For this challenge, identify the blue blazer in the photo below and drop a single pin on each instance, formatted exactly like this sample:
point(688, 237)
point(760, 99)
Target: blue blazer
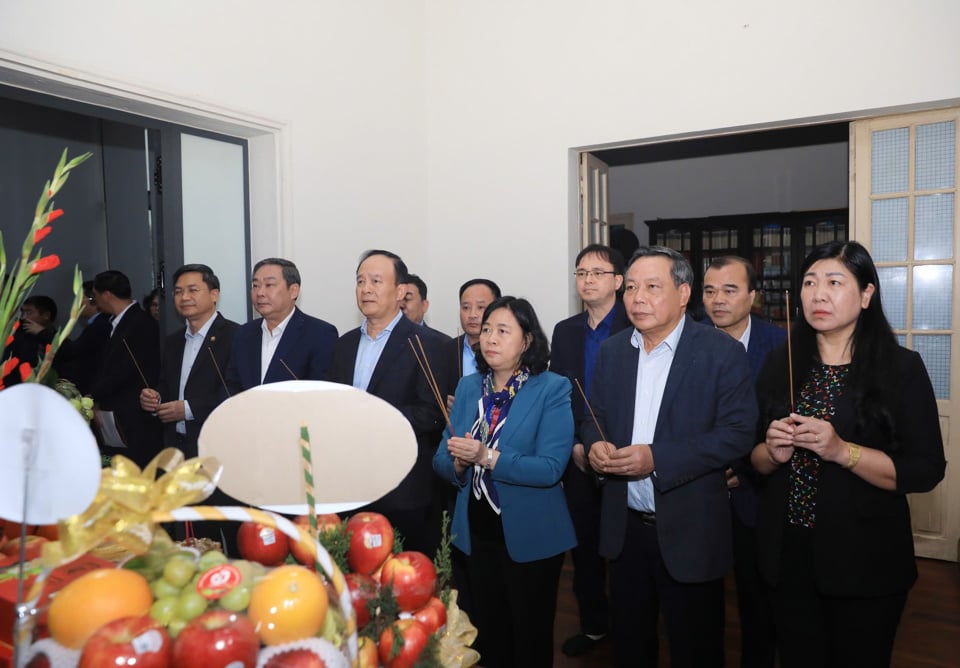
point(534, 450)
point(764, 337)
point(306, 347)
point(707, 419)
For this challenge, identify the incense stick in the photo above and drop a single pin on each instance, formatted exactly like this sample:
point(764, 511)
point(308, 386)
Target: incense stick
point(590, 408)
point(789, 351)
point(134, 360)
point(432, 382)
point(220, 375)
point(289, 370)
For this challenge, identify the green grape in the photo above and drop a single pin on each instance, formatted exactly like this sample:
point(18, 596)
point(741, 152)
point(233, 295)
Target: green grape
point(190, 604)
point(175, 627)
point(86, 402)
point(237, 599)
point(178, 571)
point(210, 559)
point(164, 609)
point(161, 588)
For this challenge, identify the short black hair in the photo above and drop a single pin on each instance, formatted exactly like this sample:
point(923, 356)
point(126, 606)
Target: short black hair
point(399, 268)
point(43, 304)
point(611, 255)
point(114, 282)
point(88, 289)
point(148, 298)
point(289, 271)
point(206, 274)
point(494, 288)
point(727, 260)
point(537, 355)
point(413, 279)
point(680, 269)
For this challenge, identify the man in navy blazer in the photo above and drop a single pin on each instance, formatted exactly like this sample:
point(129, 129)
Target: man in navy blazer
point(573, 352)
point(674, 403)
point(377, 357)
point(729, 289)
point(285, 343)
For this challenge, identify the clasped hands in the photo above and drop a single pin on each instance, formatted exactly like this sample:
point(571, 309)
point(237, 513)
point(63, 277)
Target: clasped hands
point(171, 411)
point(630, 460)
point(466, 452)
point(799, 431)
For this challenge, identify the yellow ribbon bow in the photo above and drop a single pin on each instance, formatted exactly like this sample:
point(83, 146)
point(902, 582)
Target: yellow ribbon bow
point(126, 499)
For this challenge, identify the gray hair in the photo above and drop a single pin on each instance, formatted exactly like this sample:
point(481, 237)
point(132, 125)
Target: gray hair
point(680, 268)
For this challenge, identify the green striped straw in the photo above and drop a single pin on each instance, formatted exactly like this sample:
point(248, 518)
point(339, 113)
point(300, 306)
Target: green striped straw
point(308, 484)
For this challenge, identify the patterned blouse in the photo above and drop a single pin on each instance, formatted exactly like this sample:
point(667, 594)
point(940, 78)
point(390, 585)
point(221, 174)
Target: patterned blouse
point(818, 399)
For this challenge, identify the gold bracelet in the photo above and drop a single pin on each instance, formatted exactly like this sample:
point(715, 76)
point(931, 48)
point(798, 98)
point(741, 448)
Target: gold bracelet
point(855, 452)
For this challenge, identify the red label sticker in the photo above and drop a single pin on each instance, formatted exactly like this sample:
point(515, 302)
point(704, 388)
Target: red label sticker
point(218, 581)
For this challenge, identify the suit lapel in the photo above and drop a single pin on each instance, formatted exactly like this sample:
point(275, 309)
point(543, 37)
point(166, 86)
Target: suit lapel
point(520, 408)
point(394, 347)
point(683, 360)
point(287, 345)
point(203, 355)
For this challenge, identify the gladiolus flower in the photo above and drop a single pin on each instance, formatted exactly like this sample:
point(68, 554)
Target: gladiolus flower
point(53, 215)
point(46, 351)
point(9, 340)
point(9, 366)
point(45, 264)
point(25, 371)
point(41, 233)
point(16, 325)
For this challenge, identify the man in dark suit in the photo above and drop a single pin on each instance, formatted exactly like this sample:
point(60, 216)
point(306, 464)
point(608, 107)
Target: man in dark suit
point(285, 343)
point(674, 404)
point(415, 306)
point(376, 357)
point(191, 377)
point(729, 290)
point(79, 357)
point(459, 358)
point(130, 362)
point(573, 353)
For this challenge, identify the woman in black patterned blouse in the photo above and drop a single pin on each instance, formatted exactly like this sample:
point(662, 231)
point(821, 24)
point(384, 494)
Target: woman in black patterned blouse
point(861, 431)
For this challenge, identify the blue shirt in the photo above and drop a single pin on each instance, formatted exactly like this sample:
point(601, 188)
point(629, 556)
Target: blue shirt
point(191, 348)
point(652, 372)
point(369, 351)
point(469, 359)
point(592, 338)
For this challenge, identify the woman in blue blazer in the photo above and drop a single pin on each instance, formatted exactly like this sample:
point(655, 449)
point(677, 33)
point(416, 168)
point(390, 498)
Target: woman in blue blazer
point(513, 427)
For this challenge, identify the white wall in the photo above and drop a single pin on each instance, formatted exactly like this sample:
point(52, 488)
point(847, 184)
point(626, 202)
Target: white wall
point(443, 130)
point(792, 179)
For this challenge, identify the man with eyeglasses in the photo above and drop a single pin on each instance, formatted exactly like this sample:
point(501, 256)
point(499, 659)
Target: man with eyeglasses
point(576, 340)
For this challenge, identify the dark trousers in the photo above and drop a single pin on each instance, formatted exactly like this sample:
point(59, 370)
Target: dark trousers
point(514, 605)
point(758, 645)
point(641, 587)
point(818, 630)
point(589, 568)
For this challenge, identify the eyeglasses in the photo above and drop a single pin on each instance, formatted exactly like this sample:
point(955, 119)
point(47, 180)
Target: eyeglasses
point(595, 274)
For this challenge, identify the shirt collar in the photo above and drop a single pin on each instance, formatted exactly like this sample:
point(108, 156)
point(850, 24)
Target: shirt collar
point(115, 320)
point(202, 332)
point(387, 329)
point(671, 342)
point(278, 330)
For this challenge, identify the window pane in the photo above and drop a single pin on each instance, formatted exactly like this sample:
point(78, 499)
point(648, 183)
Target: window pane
point(893, 291)
point(933, 231)
point(889, 230)
point(891, 160)
point(936, 148)
point(932, 296)
point(935, 351)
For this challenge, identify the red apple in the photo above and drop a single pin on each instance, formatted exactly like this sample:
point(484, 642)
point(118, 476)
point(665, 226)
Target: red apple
point(258, 542)
point(295, 658)
point(433, 615)
point(371, 541)
point(413, 636)
point(324, 522)
point(367, 652)
point(215, 639)
point(130, 641)
point(413, 578)
point(362, 589)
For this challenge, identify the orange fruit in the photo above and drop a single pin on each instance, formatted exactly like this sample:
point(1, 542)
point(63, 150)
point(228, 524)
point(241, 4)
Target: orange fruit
point(94, 599)
point(289, 603)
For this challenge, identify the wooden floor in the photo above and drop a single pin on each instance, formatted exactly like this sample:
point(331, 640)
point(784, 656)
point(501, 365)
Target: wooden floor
point(929, 635)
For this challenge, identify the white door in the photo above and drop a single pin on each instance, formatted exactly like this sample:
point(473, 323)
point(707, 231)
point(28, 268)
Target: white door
point(594, 223)
point(903, 204)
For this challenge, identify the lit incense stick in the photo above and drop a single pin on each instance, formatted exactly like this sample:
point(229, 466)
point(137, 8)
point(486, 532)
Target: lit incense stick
point(134, 360)
point(217, 367)
point(590, 408)
point(289, 370)
point(432, 382)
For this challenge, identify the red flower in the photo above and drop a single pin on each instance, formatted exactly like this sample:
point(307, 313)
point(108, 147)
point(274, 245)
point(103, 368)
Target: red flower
point(9, 366)
point(25, 371)
point(9, 340)
point(53, 215)
point(46, 351)
point(44, 264)
point(41, 233)
point(16, 325)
